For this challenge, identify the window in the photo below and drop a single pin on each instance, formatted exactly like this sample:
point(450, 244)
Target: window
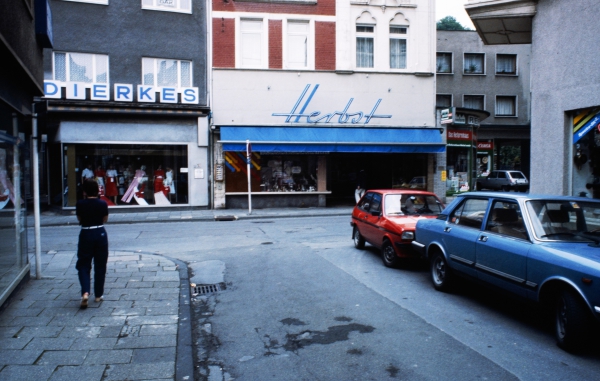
point(443, 100)
point(297, 44)
point(474, 102)
point(398, 47)
point(474, 63)
point(471, 213)
point(506, 105)
point(182, 6)
point(163, 72)
point(505, 218)
point(364, 46)
point(444, 63)
point(251, 41)
point(80, 67)
point(104, 2)
point(506, 64)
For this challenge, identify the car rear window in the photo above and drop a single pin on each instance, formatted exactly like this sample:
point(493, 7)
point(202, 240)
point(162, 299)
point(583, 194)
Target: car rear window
point(517, 175)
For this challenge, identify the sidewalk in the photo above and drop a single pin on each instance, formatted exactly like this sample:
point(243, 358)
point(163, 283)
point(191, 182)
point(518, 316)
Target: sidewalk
point(132, 335)
point(134, 216)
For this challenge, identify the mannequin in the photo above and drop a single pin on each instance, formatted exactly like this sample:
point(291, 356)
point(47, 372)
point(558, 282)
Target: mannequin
point(133, 191)
point(111, 183)
point(159, 187)
point(169, 183)
point(7, 191)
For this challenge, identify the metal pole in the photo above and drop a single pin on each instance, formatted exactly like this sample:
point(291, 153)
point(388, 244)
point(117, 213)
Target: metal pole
point(36, 196)
point(248, 156)
point(16, 174)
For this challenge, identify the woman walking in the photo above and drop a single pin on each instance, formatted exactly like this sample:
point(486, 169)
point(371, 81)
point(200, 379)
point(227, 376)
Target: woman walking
point(92, 214)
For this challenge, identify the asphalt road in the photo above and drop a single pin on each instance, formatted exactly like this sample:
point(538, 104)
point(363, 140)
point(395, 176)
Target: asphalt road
point(301, 303)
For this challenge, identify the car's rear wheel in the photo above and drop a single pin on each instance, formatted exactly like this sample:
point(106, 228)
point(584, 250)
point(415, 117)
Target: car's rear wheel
point(478, 186)
point(359, 241)
point(572, 321)
point(388, 254)
point(441, 275)
point(505, 188)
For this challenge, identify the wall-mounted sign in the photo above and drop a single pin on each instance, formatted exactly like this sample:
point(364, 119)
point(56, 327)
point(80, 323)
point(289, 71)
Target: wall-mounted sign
point(121, 92)
point(447, 115)
point(485, 146)
point(343, 117)
point(459, 135)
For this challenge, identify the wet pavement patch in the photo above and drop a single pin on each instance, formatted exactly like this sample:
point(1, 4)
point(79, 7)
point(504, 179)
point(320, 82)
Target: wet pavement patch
point(354, 352)
point(392, 370)
point(332, 335)
point(291, 321)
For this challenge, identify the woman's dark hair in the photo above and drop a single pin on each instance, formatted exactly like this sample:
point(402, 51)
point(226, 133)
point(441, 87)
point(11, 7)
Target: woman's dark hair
point(90, 187)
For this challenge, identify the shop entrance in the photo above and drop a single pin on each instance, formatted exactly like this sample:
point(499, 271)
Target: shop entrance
point(382, 171)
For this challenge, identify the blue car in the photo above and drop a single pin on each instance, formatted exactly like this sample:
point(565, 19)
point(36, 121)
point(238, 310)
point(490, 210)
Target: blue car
point(543, 248)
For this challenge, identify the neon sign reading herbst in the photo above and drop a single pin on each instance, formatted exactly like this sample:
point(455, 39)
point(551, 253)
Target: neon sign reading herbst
point(316, 117)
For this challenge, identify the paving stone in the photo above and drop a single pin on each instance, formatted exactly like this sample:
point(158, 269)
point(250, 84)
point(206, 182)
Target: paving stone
point(26, 372)
point(140, 371)
point(109, 356)
point(77, 332)
point(14, 312)
point(111, 320)
point(153, 355)
point(94, 343)
point(146, 342)
point(140, 285)
point(165, 310)
point(57, 358)
point(79, 320)
point(110, 331)
point(70, 373)
point(14, 343)
point(19, 356)
point(58, 311)
point(50, 344)
point(8, 332)
point(29, 321)
point(40, 332)
point(135, 297)
point(154, 319)
point(129, 311)
point(158, 329)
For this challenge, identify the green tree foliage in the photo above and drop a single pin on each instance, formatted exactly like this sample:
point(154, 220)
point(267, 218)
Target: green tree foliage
point(450, 23)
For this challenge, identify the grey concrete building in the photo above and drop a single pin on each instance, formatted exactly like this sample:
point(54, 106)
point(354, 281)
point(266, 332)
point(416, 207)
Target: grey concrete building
point(127, 103)
point(495, 80)
point(25, 29)
point(565, 85)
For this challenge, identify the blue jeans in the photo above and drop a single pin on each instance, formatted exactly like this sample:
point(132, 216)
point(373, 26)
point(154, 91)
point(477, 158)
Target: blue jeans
point(93, 246)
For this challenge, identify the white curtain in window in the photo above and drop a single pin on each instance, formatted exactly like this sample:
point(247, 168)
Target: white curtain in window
point(186, 74)
point(166, 73)
point(81, 67)
point(505, 106)
point(506, 64)
point(473, 63)
point(60, 67)
point(297, 49)
point(251, 43)
point(364, 52)
point(397, 53)
point(474, 102)
point(443, 63)
point(443, 101)
point(148, 71)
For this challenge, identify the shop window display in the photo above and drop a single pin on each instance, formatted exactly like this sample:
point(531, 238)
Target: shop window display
point(127, 175)
point(271, 173)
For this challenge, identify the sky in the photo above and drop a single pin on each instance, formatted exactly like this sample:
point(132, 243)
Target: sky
point(453, 8)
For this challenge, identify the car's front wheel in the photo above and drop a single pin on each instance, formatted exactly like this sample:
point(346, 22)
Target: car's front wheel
point(388, 254)
point(572, 321)
point(441, 275)
point(359, 241)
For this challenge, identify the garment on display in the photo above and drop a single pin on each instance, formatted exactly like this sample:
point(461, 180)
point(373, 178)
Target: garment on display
point(133, 191)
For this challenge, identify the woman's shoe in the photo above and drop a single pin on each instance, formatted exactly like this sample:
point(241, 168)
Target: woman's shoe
point(84, 301)
point(99, 299)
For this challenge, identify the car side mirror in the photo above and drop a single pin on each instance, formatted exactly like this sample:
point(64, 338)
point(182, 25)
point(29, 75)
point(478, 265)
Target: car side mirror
point(376, 214)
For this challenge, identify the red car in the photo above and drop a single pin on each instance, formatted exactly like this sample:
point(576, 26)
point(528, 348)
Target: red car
point(386, 219)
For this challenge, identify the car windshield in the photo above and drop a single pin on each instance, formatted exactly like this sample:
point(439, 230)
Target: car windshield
point(411, 204)
point(560, 220)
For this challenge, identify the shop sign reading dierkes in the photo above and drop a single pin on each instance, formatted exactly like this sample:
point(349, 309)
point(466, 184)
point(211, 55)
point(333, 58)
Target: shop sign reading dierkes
point(121, 92)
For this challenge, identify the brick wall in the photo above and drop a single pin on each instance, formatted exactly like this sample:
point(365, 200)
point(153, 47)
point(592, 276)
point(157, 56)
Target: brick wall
point(323, 7)
point(223, 42)
point(275, 45)
point(324, 45)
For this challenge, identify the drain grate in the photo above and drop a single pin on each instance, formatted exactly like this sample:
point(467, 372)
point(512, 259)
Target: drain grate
point(204, 289)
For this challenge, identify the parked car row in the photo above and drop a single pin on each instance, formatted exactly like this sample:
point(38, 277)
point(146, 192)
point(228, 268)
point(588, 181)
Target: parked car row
point(542, 248)
point(504, 181)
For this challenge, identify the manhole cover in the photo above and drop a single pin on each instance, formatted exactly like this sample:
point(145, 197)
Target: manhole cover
point(204, 289)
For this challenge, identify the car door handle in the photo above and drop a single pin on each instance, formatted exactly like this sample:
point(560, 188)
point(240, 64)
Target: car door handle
point(447, 229)
point(483, 238)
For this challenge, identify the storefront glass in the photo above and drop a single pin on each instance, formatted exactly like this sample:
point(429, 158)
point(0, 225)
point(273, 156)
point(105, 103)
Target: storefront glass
point(128, 174)
point(13, 232)
point(271, 173)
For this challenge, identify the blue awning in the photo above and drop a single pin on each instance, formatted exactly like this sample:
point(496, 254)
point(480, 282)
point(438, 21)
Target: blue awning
point(333, 139)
